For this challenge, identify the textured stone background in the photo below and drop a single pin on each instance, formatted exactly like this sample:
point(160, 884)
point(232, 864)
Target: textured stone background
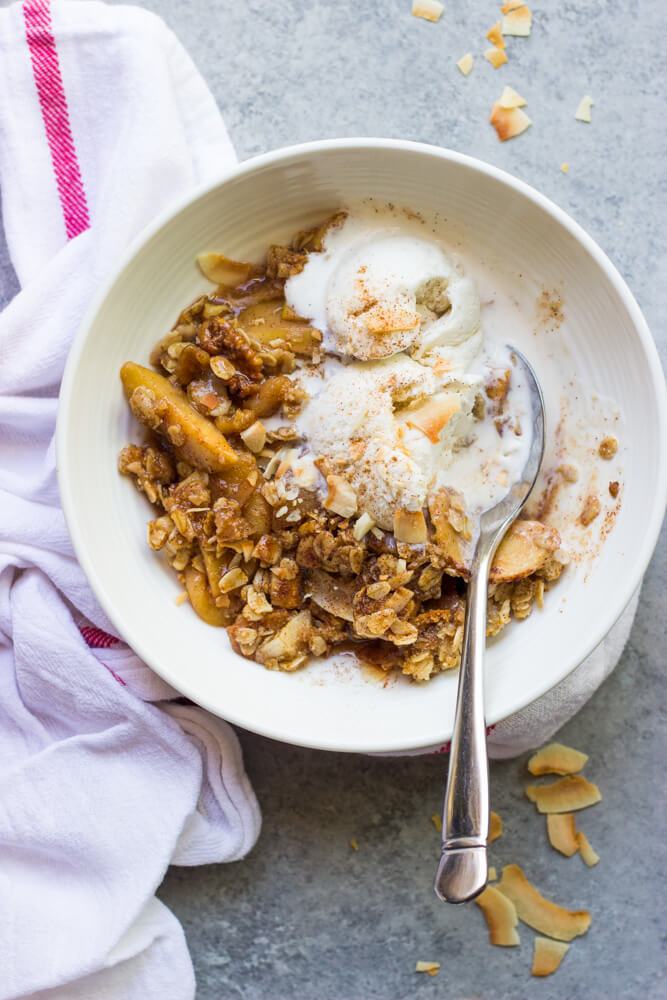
point(305, 917)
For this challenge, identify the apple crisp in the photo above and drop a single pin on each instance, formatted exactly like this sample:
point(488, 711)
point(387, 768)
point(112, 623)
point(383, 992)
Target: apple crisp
point(275, 548)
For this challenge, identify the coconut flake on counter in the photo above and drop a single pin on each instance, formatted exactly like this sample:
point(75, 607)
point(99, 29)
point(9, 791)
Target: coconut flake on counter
point(497, 57)
point(429, 10)
point(583, 112)
point(509, 122)
point(518, 21)
point(495, 36)
point(510, 99)
point(466, 63)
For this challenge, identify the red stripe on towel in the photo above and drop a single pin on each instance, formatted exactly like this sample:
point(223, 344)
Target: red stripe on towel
point(97, 638)
point(52, 100)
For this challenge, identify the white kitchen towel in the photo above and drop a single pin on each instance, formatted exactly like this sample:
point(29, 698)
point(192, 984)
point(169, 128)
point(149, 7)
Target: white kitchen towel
point(105, 780)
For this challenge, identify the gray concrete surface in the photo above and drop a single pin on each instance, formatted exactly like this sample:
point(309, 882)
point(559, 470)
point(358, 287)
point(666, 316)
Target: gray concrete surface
point(305, 916)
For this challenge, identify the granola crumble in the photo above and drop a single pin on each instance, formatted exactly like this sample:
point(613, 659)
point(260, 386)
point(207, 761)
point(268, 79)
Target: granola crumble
point(290, 575)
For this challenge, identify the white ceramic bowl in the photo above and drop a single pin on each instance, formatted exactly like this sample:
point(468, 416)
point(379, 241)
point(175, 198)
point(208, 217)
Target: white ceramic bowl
point(487, 213)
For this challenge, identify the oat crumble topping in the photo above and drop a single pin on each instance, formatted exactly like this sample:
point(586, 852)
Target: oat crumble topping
point(259, 552)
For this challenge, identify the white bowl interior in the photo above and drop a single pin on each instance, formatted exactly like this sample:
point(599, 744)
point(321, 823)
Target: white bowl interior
point(485, 215)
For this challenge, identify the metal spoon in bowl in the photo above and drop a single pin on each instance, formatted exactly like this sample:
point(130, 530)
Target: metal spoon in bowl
point(463, 871)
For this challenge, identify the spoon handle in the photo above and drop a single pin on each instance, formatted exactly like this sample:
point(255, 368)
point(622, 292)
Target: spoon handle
point(462, 872)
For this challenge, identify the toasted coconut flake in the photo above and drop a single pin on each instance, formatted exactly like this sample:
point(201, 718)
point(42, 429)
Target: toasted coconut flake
point(493, 874)
point(430, 10)
point(431, 967)
point(562, 833)
point(512, 5)
point(362, 526)
point(501, 916)
point(254, 438)
point(538, 912)
point(223, 271)
point(495, 36)
point(465, 63)
point(583, 112)
point(335, 596)
point(434, 415)
point(509, 123)
point(518, 22)
point(567, 795)
point(557, 759)
point(547, 956)
point(511, 99)
point(586, 851)
point(496, 56)
point(524, 549)
point(353, 844)
point(410, 527)
point(437, 822)
point(495, 827)
point(565, 167)
point(341, 498)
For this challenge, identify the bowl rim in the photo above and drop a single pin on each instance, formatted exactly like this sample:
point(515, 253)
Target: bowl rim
point(650, 529)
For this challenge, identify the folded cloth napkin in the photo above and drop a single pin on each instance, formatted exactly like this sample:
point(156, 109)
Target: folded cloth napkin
point(106, 780)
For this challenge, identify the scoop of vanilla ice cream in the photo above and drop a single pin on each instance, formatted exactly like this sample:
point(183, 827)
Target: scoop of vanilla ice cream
point(375, 291)
point(388, 426)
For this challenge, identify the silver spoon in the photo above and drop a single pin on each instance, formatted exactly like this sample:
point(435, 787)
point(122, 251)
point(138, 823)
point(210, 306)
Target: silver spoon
point(463, 871)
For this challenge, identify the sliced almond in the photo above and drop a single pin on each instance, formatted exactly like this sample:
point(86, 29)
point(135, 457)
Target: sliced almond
point(497, 57)
point(585, 849)
point(518, 22)
point(583, 112)
point(222, 270)
point(224, 369)
point(556, 758)
point(362, 526)
point(511, 99)
point(431, 967)
point(254, 438)
point(430, 10)
point(465, 63)
point(565, 167)
point(495, 36)
point(562, 833)
point(524, 549)
point(341, 498)
point(232, 580)
point(509, 122)
point(501, 917)
point(567, 795)
point(410, 527)
point(547, 956)
point(495, 827)
point(538, 912)
point(434, 415)
point(493, 874)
